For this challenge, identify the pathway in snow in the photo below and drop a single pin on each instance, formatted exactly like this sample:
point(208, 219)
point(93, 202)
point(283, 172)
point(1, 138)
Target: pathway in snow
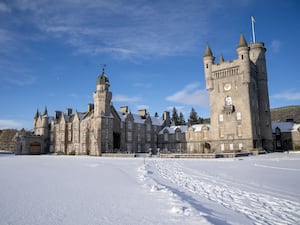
point(261, 208)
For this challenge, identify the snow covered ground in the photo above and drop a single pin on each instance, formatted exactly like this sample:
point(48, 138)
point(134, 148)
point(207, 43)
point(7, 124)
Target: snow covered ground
point(42, 190)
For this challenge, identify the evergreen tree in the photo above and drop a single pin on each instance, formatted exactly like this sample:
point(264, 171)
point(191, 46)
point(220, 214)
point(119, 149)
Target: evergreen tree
point(181, 119)
point(175, 117)
point(193, 119)
point(156, 114)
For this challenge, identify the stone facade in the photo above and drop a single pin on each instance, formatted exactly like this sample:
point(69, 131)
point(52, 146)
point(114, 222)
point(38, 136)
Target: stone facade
point(239, 107)
point(239, 100)
point(101, 129)
point(286, 136)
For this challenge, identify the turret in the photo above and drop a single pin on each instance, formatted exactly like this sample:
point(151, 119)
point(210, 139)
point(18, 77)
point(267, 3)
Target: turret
point(44, 130)
point(102, 96)
point(243, 56)
point(208, 60)
point(257, 56)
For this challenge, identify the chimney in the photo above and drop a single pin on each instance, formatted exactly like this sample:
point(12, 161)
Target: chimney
point(68, 111)
point(142, 113)
point(57, 114)
point(166, 115)
point(90, 107)
point(124, 110)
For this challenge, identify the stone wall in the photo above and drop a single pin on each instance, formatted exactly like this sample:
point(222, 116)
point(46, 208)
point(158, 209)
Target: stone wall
point(8, 140)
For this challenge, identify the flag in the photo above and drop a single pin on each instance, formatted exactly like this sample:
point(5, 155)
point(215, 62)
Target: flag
point(252, 19)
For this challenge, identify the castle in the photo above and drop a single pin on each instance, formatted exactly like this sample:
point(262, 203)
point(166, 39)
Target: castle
point(239, 109)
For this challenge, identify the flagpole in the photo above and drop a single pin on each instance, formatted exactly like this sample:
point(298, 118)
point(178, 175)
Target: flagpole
point(253, 32)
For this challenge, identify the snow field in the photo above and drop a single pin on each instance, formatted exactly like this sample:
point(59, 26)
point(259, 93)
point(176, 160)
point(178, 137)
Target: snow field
point(64, 190)
point(261, 208)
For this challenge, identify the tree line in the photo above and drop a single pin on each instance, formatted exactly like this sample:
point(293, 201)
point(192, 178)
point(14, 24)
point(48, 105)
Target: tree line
point(179, 119)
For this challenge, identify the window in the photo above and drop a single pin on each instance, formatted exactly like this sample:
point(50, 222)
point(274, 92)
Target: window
point(148, 137)
point(222, 147)
point(138, 137)
point(129, 125)
point(231, 146)
point(240, 146)
point(221, 117)
point(177, 136)
point(148, 127)
point(221, 132)
point(166, 136)
point(129, 136)
point(69, 135)
point(239, 116)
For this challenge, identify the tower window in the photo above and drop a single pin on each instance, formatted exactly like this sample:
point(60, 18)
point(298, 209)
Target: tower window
point(206, 66)
point(242, 57)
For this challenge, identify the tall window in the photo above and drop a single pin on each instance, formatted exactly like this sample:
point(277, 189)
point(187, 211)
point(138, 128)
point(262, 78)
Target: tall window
point(148, 137)
point(166, 137)
point(129, 136)
point(177, 135)
point(239, 116)
point(129, 124)
point(148, 127)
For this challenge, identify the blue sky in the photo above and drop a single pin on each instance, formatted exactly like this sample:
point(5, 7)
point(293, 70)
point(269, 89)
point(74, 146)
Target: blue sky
point(52, 51)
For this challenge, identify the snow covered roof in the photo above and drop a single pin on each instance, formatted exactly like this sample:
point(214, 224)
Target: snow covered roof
point(183, 128)
point(285, 126)
point(157, 121)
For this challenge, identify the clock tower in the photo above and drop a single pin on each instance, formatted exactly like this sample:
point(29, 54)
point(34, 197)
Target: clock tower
point(239, 100)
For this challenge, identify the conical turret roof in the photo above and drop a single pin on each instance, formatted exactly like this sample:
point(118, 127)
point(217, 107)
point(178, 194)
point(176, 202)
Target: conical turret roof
point(242, 42)
point(221, 59)
point(37, 114)
point(208, 51)
point(45, 112)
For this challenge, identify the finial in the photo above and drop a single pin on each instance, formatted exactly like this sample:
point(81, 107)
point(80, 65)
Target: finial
point(103, 66)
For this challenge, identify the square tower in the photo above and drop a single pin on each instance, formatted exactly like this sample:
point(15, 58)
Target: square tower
point(239, 100)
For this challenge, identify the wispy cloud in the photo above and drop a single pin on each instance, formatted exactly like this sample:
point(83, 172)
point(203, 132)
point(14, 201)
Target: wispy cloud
point(287, 95)
point(275, 45)
point(142, 107)
point(124, 98)
point(3, 7)
point(127, 30)
point(190, 95)
point(11, 124)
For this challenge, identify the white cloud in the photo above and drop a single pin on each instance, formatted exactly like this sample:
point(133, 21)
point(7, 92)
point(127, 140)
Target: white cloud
point(275, 45)
point(190, 95)
point(142, 107)
point(11, 124)
point(287, 95)
point(124, 98)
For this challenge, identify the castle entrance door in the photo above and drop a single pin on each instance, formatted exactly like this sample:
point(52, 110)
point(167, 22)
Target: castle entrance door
point(117, 139)
point(35, 148)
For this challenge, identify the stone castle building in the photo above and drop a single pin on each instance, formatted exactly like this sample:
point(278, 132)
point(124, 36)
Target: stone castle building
point(239, 108)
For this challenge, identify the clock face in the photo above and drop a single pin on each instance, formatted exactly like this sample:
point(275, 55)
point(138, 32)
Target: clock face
point(227, 87)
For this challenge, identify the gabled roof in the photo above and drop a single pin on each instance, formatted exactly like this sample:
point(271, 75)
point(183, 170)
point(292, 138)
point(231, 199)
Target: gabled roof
point(156, 121)
point(285, 126)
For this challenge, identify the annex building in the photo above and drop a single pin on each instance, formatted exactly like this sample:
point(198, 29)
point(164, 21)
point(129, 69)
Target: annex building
point(239, 109)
